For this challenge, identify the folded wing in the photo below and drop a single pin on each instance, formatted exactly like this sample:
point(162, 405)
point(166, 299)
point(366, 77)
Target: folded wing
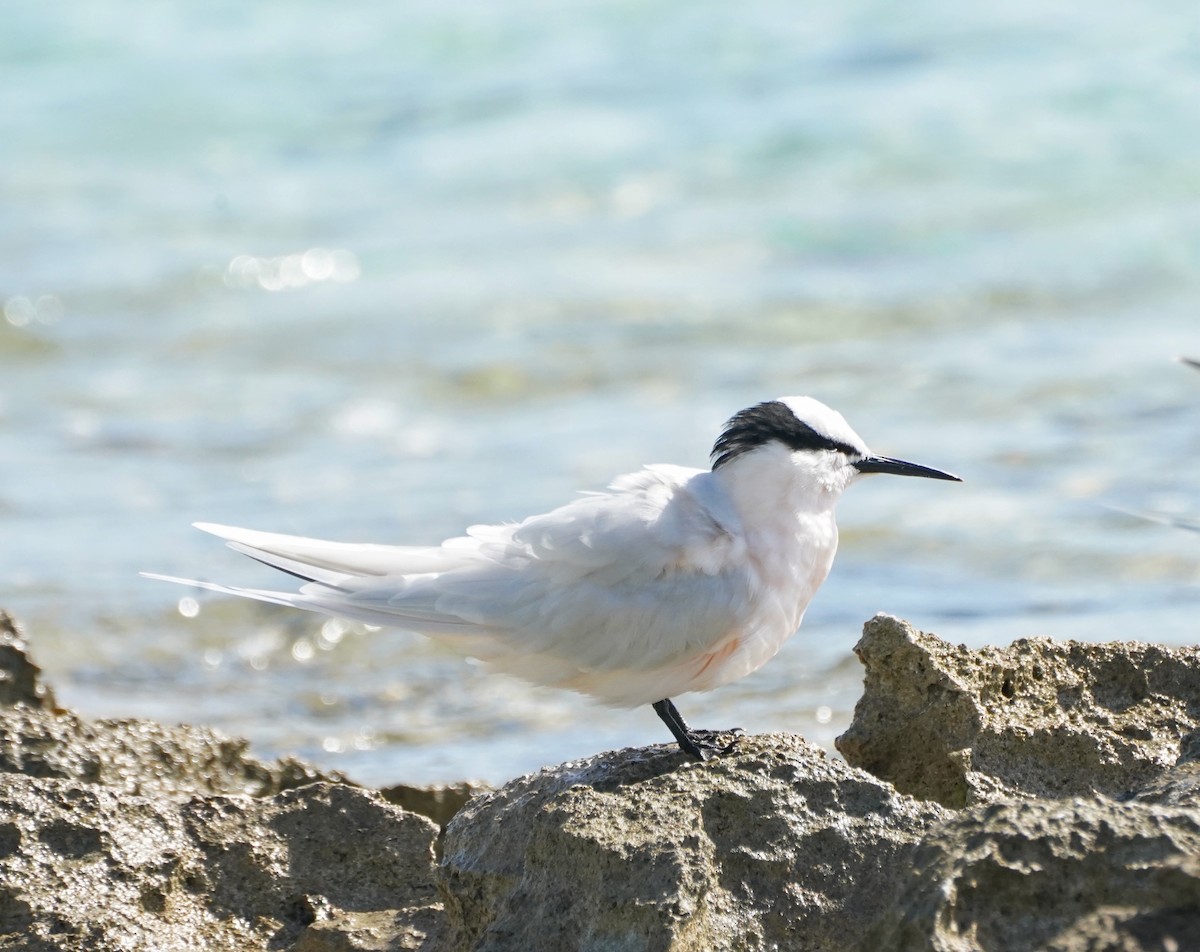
point(636, 578)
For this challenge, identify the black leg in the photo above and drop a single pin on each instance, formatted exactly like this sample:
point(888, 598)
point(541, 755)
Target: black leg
point(698, 744)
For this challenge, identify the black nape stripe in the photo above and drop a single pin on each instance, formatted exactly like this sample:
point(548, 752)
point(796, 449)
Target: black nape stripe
point(772, 420)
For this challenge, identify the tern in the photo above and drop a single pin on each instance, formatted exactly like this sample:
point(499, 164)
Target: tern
point(674, 580)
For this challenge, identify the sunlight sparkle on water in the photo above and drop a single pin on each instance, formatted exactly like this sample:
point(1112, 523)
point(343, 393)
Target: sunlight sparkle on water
point(303, 650)
point(332, 632)
point(21, 311)
point(289, 272)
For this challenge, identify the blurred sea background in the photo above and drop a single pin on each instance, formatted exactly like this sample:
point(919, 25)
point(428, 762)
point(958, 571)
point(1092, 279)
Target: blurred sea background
point(375, 272)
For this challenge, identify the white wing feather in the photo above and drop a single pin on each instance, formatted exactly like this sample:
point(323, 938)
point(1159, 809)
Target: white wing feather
point(640, 578)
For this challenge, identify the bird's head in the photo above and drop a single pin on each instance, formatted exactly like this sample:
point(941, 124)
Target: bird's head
point(806, 444)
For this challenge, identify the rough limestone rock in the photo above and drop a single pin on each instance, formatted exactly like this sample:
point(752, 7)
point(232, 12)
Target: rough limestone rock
point(1054, 876)
point(20, 679)
point(771, 846)
point(1073, 771)
point(1039, 718)
point(140, 757)
point(131, 835)
point(39, 739)
point(323, 867)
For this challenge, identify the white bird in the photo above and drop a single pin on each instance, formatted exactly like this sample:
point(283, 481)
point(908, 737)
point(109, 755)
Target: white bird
point(673, 580)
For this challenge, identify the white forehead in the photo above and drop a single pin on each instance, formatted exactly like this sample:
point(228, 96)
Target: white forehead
point(825, 420)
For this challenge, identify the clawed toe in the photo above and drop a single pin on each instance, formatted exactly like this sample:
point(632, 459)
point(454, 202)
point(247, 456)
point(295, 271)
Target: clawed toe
point(711, 736)
point(704, 745)
point(700, 744)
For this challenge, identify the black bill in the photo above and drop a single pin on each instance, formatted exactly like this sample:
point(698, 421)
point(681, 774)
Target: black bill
point(897, 467)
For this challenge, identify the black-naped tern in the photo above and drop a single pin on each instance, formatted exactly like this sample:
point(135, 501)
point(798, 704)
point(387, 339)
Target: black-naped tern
point(673, 580)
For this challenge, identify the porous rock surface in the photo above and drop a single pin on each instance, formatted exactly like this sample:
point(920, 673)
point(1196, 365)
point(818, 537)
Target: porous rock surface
point(39, 739)
point(1075, 875)
point(773, 845)
point(325, 866)
point(1076, 768)
point(1037, 718)
point(1046, 797)
point(132, 835)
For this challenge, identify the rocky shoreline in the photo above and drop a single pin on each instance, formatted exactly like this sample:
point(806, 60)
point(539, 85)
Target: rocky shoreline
point(1040, 796)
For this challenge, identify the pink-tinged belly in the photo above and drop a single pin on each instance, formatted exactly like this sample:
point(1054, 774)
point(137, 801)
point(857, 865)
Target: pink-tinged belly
point(716, 659)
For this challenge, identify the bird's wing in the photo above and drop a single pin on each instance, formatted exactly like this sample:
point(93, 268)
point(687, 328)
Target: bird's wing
point(633, 578)
point(646, 573)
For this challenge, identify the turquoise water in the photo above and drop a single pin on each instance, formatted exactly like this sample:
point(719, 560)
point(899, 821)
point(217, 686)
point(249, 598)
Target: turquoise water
point(376, 272)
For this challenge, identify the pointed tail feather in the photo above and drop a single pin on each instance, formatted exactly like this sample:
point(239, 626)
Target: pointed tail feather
point(313, 598)
point(330, 563)
point(258, 594)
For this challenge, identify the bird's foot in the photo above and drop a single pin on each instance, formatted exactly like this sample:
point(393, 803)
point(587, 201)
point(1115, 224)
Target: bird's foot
point(704, 745)
point(711, 736)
